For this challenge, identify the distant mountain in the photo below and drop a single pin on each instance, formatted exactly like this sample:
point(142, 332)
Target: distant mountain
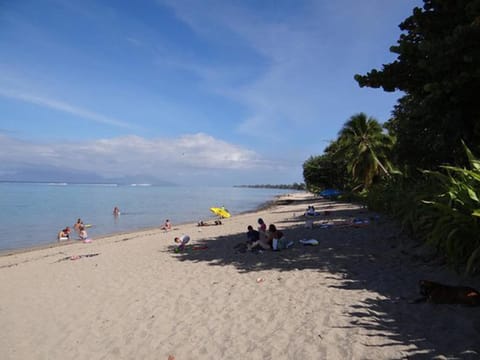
point(54, 174)
point(50, 174)
point(139, 179)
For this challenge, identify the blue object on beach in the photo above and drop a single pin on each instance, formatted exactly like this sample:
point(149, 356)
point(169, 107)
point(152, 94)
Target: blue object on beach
point(330, 193)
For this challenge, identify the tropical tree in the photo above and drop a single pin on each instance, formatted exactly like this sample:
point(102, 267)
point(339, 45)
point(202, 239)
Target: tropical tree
point(326, 171)
point(438, 69)
point(365, 147)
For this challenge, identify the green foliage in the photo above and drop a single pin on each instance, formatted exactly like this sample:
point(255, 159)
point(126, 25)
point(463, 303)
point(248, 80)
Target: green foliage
point(435, 123)
point(441, 208)
point(455, 227)
point(324, 171)
point(356, 160)
point(438, 69)
point(365, 148)
point(398, 196)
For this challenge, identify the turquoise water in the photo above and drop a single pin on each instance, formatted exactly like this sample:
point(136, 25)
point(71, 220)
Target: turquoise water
point(33, 213)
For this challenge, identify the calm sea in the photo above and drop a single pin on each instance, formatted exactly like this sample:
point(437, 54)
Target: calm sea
point(33, 213)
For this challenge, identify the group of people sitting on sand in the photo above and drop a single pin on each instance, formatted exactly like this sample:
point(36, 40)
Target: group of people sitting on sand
point(262, 239)
point(311, 211)
point(79, 228)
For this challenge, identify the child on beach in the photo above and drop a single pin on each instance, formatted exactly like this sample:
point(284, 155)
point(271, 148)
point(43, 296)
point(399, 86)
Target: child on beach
point(181, 241)
point(252, 235)
point(167, 225)
point(83, 233)
point(262, 227)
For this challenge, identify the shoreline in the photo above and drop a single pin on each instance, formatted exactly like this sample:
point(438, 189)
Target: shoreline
point(264, 206)
point(131, 296)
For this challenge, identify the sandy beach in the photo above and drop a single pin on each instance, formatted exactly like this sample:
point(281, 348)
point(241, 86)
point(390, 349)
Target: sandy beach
point(130, 296)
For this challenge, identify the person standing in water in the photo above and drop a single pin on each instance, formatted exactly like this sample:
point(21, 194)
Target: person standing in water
point(77, 225)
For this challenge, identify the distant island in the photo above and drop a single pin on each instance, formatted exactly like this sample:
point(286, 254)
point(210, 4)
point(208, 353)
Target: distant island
point(293, 186)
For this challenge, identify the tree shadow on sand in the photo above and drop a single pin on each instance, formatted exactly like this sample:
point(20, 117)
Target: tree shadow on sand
point(375, 257)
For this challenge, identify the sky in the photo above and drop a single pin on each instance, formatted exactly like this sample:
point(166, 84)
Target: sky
point(210, 92)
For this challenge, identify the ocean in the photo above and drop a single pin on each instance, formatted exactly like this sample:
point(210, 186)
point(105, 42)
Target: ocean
point(32, 214)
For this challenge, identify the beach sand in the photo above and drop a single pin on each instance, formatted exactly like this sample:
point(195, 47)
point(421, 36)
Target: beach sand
point(350, 297)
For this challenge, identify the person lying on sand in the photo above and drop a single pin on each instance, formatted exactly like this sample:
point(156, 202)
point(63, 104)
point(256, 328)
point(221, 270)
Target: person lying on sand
point(204, 223)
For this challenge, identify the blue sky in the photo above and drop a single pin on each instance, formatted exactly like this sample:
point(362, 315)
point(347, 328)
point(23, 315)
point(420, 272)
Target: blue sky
point(207, 92)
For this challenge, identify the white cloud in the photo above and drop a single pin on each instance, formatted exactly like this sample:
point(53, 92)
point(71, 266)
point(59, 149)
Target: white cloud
point(132, 155)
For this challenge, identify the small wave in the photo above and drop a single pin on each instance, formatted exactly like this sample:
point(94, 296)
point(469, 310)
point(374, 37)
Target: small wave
point(101, 184)
point(140, 184)
point(57, 184)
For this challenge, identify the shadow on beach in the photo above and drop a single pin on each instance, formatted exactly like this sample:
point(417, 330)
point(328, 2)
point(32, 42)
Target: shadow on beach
point(376, 258)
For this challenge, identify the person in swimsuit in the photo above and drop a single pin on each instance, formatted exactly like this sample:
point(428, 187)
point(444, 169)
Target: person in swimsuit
point(167, 225)
point(83, 233)
point(64, 234)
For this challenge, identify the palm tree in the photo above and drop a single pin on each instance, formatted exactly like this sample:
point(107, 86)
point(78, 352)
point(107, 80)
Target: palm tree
point(365, 147)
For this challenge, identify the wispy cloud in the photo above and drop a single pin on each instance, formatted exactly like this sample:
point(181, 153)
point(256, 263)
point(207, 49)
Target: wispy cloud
point(309, 63)
point(64, 107)
point(288, 89)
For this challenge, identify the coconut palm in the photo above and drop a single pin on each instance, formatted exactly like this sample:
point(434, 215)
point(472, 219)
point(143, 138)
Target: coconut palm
point(365, 147)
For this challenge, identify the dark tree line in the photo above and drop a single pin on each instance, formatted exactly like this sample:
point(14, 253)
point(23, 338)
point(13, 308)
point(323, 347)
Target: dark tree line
point(438, 69)
point(422, 166)
point(294, 186)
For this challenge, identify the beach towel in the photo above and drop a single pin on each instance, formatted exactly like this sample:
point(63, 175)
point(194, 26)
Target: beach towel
point(312, 242)
point(76, 257)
